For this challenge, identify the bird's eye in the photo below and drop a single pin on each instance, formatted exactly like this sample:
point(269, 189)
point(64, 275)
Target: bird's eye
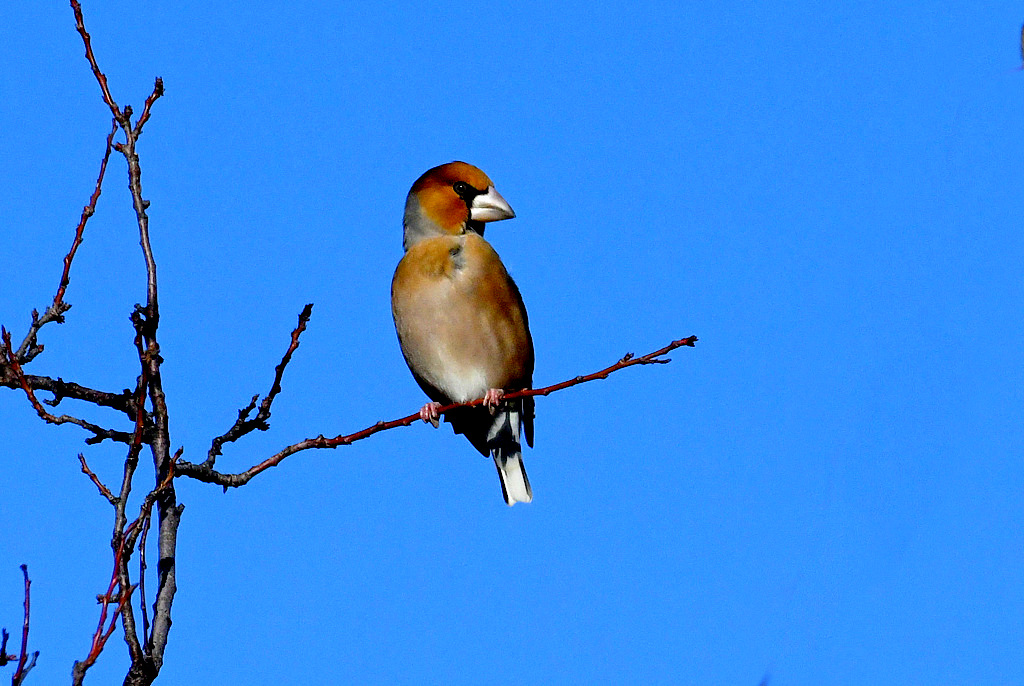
point(462, 188)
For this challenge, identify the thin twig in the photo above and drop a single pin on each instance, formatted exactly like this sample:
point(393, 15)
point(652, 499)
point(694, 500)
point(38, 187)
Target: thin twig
point(24, 667)
point(29, 347)
point(158, 90)
point(100, 77)
point(243, 425)
point(201, 473)
point(100, 636)
point(87, 212)
point(150, 428)
point(104, 491)
point(142, 576)
point(121, 534)
point(125, 545)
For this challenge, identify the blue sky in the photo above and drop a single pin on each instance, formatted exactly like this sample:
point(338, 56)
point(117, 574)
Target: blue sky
point(826, 489)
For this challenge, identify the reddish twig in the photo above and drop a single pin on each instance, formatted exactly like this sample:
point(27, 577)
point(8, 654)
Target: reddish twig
point(202, 473)
point(125, 545)
point(243, 425)
point(100, 77)
point(104, 491)
point(24, 666)
point(158, 90)
point(87, 212)
point(100, 636)
point(29, 347)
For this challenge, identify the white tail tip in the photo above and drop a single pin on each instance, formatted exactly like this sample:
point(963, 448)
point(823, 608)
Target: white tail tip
point(515, 486)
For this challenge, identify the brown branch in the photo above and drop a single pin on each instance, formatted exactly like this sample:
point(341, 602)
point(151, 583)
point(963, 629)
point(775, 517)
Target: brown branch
point(122, 402)
point(144, 667)
point(24, 666)
point(149, 427)
point(100, 434)
point(243, 425)
point(201, 473)
point(123, 549)
point(104, 491)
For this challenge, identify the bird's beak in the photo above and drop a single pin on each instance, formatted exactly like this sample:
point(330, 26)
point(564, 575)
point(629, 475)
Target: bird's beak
point(490, 207)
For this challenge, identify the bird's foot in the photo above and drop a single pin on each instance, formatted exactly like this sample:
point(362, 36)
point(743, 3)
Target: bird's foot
point(492, 399)
point(429, 413)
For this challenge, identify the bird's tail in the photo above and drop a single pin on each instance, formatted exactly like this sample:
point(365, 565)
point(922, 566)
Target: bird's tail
point(515, 485)
point(503, 440)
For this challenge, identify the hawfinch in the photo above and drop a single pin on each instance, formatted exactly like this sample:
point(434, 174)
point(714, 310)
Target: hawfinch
point(460, 319)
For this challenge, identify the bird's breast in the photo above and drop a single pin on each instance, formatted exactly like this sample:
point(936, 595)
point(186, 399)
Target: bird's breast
point(460, 321)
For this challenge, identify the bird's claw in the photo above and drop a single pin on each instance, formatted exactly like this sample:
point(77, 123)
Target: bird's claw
point(429, 413)
point(492, 399)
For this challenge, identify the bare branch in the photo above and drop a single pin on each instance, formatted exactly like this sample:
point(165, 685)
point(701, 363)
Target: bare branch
point(158, 90)
point(87, 212)
point(30, 347)
point(99, 433)
point(100, 636)
point(122, 541)
point(24, 665)
point(104, 491)
point(150, 428)
point(243, 425)
point(201, 473)
point(142, 575)
point(100, 77)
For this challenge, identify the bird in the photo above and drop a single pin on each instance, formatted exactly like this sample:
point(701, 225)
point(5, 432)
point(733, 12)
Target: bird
point(461, 321)
point(1021, 68)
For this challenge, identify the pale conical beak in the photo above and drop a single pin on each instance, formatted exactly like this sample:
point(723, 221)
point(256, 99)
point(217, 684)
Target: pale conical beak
point(490, 207)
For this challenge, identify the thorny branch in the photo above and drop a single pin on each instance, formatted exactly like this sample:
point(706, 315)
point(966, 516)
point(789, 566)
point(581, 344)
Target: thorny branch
point(202, 472)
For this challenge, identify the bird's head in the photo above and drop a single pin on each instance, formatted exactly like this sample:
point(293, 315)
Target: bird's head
point(450, 200)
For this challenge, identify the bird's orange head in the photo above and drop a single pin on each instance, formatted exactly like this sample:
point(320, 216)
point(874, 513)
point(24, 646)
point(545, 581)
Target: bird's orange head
point(449, 200)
